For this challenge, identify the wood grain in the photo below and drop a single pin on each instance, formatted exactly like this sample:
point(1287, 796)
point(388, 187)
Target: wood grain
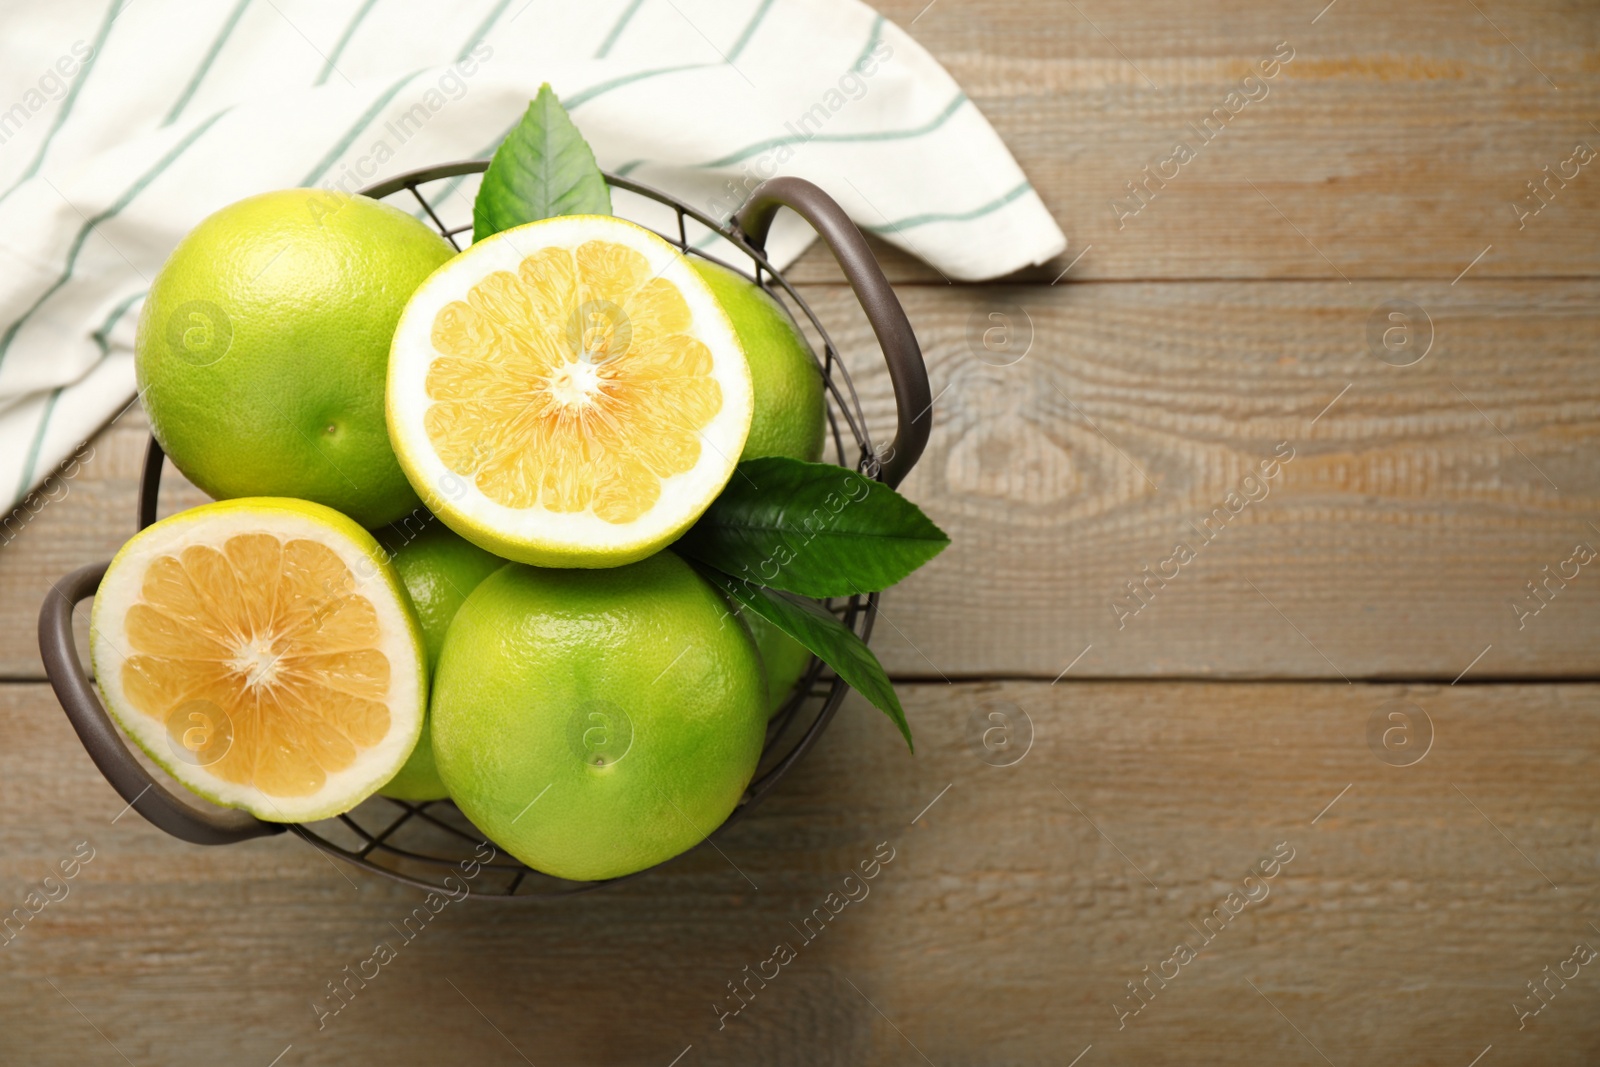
point(1394, 544)
point(1393, 145)
point(1419, 503)
point(1003, 931)
point(1421, 900)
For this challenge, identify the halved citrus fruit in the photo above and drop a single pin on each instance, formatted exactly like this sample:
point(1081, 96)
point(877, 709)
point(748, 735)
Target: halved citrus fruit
point(568, 393)
point(262, 653)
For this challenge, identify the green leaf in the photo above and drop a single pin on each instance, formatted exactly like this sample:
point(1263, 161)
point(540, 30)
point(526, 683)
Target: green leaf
point(813, 529)
point(543, 168)
point(825, 636)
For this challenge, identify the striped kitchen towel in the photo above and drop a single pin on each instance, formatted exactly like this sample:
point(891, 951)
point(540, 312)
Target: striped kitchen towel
point(125, 122)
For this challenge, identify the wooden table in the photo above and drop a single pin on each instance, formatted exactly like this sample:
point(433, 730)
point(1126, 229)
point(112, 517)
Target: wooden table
point(1348, 671)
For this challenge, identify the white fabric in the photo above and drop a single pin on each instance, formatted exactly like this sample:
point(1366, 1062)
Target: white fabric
point(125, 122)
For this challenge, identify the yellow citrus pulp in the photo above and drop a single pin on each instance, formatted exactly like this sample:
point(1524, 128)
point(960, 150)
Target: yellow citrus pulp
point(261, 652)
point(568, 393)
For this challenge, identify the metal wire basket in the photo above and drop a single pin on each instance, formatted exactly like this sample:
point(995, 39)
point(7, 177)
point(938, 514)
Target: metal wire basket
point(431, 845)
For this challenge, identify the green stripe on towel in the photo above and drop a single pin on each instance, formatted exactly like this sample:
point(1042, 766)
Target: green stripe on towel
point(963, 216)
point(344, 39)
point(205, 62)
point(616, 31)
point(72, 95)
point(354, 131)
point(89, 224)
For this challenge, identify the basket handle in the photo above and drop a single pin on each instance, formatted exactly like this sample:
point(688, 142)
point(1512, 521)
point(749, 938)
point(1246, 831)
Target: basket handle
point(912, 399)
point(216, 826)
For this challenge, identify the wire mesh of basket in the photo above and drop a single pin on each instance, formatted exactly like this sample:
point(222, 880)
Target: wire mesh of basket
point(431, 845)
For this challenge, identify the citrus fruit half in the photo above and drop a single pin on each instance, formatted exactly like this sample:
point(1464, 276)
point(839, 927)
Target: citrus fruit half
point(568, 393)
point(262, 348)
point(788, 418)
point(439, 569)
point(262, 652)
point(597, 722)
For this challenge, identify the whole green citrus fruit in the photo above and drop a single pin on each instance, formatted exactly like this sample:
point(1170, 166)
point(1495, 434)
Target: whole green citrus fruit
point(789, 418)
point(439, 570)
point(263, 348)
point(785, 659)
point(597, 722)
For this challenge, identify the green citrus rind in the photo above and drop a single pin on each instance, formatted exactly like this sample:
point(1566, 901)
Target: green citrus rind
point(790, 416)
point(262, 348)
point(595, 723)
point(439, 570)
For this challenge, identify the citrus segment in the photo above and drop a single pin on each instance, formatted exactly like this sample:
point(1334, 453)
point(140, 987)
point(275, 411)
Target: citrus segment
point(260, 651)
point(568, 393)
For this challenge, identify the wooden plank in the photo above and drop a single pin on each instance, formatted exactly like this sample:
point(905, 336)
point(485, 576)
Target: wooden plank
point(1394, 544)
point(82, 514)
point(1394, 144)
point(1419, 503)
point(1416, 906)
